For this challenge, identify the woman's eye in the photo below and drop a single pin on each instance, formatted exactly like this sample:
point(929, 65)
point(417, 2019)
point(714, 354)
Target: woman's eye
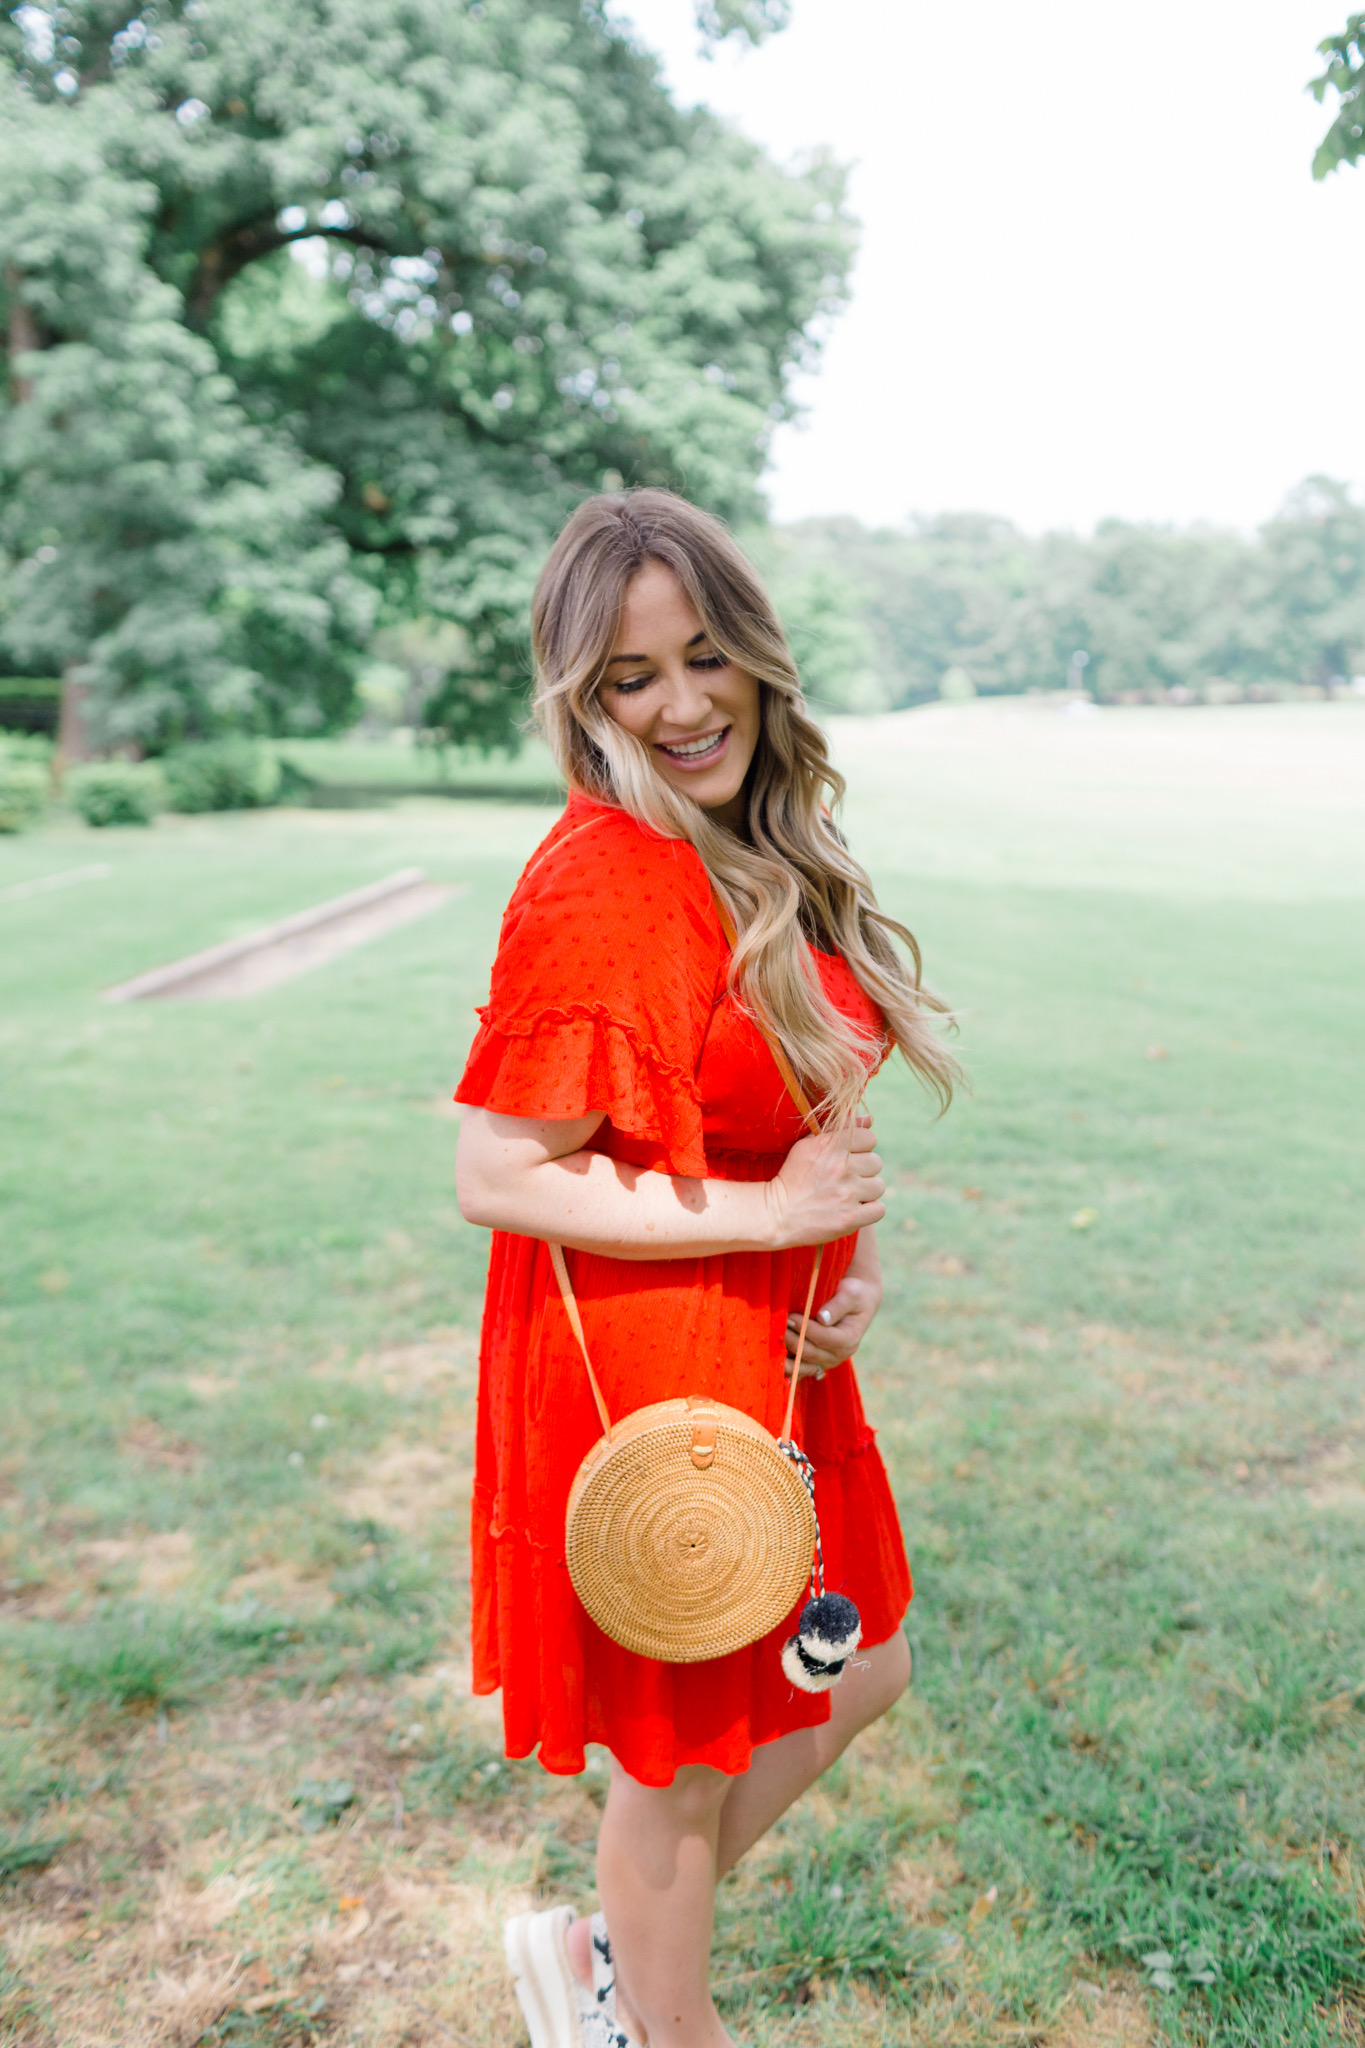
point(709, 661)
point(632, 684)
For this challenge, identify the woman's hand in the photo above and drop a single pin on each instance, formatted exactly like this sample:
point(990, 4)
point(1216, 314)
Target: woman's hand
point(829, 1187)
point(837, 1329)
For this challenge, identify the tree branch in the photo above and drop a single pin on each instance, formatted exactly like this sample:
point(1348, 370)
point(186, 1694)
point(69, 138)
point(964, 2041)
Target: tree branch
point(225, 258)
point(361, 546)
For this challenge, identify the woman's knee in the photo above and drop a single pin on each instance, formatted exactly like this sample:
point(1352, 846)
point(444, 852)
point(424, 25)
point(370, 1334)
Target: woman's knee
point(692, 1801)
point(883, 1673)
point(893, 1673)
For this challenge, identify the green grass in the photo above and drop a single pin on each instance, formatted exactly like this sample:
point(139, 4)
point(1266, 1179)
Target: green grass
point(1118, 1383)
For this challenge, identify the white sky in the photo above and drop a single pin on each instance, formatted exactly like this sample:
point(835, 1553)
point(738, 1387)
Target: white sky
point(1096, 274)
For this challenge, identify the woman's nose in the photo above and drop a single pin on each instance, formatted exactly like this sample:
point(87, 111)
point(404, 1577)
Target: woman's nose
point(687, 701)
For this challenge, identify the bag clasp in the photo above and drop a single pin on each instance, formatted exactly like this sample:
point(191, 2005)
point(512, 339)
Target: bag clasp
point(704, 1441)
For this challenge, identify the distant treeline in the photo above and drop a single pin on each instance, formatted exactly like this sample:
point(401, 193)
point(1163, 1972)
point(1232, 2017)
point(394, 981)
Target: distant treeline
point(967, 603)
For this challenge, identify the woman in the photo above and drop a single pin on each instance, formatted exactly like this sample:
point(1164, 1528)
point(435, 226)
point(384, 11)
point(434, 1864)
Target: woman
point(623, 1103)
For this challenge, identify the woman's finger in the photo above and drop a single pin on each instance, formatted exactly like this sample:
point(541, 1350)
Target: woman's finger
point(840, 1303)
point(831, 1350)
point(815, 1364)
point(828, 1345)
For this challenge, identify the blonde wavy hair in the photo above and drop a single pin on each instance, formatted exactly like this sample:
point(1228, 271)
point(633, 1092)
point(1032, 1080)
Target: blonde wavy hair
point(787, 878)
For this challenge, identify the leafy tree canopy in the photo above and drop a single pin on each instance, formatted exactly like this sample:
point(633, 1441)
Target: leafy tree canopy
point(755, 20)
point(323, 316)
point(1344, 142)
point(1155, 609)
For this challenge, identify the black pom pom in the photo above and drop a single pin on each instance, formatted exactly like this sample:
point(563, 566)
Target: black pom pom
point(830, 1628)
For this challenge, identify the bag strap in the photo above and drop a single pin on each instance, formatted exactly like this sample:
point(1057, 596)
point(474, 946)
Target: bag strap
point(799, 1097)
point(576, 1324)
point(570, 1301)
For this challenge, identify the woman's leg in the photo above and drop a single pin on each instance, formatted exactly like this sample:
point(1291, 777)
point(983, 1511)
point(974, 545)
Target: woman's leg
point(781, 1771)
point(656, 1876)
point(660, 1853)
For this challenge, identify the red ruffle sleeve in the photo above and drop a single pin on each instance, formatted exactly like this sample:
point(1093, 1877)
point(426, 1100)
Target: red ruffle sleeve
point(602, 991)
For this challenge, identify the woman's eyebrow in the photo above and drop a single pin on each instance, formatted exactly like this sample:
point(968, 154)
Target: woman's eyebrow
point(612, 658)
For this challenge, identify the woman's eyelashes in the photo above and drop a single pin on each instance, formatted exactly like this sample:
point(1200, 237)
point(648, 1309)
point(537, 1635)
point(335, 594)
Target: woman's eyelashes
point(701, 661)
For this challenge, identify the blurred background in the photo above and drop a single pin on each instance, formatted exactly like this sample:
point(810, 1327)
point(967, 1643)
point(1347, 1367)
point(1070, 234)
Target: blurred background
point(1021, 351)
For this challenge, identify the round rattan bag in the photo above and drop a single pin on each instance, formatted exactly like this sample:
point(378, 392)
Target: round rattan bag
point(689, 1532)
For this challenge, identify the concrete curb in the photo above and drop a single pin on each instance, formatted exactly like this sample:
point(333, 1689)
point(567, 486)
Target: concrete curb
point(159, 980)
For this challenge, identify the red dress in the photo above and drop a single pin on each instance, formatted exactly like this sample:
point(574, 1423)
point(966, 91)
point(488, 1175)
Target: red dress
point(608, 994)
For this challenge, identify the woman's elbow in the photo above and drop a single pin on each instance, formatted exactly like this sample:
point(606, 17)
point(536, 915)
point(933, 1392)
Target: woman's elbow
point(476, 1198)
point(475, 1186)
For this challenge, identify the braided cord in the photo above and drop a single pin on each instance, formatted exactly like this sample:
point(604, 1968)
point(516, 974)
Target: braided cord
point(807, 1472)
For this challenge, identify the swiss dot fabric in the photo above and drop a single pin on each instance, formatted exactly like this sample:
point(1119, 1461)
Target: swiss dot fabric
point(608, 995)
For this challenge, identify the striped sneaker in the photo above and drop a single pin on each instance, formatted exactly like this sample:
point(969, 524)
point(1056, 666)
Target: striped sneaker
point(558, 2010)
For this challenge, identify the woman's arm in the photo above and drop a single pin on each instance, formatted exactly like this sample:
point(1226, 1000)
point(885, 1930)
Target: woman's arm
point(839, 1326)
point(533, 1177)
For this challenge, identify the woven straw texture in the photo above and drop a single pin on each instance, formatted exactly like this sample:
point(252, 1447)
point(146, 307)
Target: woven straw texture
point(682, 1564)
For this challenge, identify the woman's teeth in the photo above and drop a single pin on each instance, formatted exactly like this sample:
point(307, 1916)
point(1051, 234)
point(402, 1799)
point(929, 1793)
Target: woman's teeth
point(692, 750)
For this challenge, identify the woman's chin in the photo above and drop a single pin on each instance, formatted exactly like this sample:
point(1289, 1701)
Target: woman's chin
point(712, 791)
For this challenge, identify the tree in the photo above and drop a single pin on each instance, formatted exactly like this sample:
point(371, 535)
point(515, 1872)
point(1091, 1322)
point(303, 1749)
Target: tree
point(1344, 142)
point(755, 20)
point(1155, 609)
point(1313, 573)
point(324, 316)
point(943, 593)
point(824, 615)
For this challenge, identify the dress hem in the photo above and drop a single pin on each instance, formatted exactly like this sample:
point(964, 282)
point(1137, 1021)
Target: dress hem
point(571, 1770)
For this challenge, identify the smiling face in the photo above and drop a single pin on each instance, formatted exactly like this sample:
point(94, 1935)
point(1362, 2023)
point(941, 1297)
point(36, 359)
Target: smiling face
point(667, 685)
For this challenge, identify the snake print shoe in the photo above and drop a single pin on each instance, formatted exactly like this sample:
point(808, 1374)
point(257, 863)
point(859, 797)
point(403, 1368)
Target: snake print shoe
point(604, 1985)
point(558, 2010)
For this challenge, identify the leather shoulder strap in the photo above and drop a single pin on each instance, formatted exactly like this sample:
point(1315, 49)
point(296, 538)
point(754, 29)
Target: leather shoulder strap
point(576, 1324)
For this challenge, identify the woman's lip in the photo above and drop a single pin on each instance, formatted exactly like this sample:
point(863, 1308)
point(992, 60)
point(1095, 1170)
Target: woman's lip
point(706, 760)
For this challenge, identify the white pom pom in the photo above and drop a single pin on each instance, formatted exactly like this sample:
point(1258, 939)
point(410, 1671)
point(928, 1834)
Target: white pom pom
point(804, 1674)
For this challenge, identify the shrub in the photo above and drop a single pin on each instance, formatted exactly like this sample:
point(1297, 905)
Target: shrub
point(30, 703)
point(221, 775)
point(25, 746)
point(116, 792)
point(23, 793)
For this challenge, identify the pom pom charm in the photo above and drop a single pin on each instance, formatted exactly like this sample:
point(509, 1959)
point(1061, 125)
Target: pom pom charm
point(829, 1631)
point(830, 1628)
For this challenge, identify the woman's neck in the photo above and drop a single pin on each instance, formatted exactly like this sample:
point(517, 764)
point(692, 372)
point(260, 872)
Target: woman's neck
point(733, 815)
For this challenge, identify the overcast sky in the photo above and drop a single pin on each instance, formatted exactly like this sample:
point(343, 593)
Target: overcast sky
point(1096, 274)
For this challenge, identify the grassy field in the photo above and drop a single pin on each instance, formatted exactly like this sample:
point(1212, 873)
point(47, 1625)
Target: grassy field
point(246, 1797)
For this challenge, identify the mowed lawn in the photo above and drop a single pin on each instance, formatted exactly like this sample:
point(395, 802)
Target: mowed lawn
point(246, 1796)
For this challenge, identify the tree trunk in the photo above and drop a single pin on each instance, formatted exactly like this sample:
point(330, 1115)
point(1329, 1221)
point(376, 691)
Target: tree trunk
point(73, 739)
point(23, 337)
